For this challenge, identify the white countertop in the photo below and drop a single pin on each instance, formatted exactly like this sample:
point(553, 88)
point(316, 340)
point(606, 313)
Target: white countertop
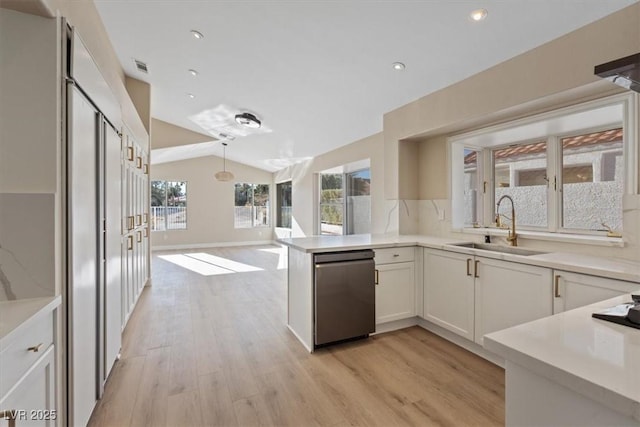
point(614, 268)
point(18, 314)
point(595, 358)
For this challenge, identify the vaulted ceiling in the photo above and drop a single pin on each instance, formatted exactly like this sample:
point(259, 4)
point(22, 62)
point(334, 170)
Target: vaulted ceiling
point(318, 74)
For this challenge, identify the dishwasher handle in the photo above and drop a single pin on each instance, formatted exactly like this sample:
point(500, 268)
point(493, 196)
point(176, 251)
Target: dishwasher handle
point(343, 256)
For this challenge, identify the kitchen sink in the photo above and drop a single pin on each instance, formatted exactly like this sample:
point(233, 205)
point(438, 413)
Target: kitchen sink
point(499, 248)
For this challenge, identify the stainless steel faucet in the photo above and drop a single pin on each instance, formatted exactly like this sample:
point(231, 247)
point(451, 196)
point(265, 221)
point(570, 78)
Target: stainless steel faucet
point(512, 238)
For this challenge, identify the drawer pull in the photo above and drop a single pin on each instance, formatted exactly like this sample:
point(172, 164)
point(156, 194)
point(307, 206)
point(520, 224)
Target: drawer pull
point(468, 267)
point(475, 270)
point(376, 280)
point(35, 348)
point(556, 287)
point(396, 255)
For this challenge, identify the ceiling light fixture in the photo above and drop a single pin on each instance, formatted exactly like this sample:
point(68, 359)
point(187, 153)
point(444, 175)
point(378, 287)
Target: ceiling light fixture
point(478, 14)
point(197, 34)
point(248, 120)
point(398, 66)
point(193, 72)
point(190, 95)
point(224, 175)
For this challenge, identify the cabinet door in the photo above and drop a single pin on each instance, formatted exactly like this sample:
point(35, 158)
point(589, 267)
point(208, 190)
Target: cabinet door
point(33, 397)
point(448, 291)
point(508, 294)
point(573, 290)
point(395, 292)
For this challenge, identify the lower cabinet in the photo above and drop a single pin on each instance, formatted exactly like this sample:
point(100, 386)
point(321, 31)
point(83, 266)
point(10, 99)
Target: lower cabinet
point(32, 400)
point(395, 284)
point(449, 291)
point(508, 294)
point(395, 292)
point(573, 290)
point(473, 296)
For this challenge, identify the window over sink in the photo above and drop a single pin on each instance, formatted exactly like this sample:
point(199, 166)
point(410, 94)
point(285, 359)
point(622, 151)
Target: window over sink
point(566, 170)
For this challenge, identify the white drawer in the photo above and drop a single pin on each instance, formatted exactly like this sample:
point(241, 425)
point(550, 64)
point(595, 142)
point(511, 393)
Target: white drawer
point(392, 255)
point(16, 358)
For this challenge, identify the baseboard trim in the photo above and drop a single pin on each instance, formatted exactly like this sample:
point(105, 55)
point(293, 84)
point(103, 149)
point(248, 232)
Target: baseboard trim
point(213, 245)
point(395, 325)
point(461, 342)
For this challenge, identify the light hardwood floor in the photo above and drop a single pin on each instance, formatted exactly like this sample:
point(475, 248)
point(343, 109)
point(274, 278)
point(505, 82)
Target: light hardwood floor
point(215, 350)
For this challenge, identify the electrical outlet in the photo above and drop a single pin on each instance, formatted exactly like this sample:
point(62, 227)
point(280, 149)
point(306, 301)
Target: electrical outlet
point(441, 214)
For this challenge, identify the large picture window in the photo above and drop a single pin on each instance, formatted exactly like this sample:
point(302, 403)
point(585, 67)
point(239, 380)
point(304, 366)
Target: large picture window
point(168, 205)
point(566, 171)
point(251, 205)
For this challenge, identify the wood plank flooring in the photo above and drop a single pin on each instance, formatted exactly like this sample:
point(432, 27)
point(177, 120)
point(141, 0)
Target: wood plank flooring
point(215, 351)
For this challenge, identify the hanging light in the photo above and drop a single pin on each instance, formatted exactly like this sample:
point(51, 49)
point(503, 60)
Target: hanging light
point(224, 174)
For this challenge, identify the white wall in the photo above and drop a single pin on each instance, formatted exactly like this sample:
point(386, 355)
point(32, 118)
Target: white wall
point(303, 176)
point(210, 204)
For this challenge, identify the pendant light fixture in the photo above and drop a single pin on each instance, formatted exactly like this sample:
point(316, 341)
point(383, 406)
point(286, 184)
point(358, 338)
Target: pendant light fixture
point(224, 174)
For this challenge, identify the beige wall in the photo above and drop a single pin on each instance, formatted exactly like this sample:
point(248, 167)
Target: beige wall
point(210, 203)
point(140, 93)
point(168, 135)
point(303, 177)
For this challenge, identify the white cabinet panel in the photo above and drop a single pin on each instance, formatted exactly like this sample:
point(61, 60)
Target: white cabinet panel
point(573, 290)
point(33, 396)
point(449, 291)
point(395, 291)
point(509, 294)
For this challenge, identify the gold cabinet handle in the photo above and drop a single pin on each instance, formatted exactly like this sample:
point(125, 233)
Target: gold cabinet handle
point(556, 286)
point(131, 222)
point(130, 154)
point(139, 236)
point(130, 243)
point(145, 218)
point(35, 348)
point(376, 280)
point(475, 269)
point(396, 255)
point(468, 266)
point(145, 169)
point(10, 416)
point(138, 219)
point(139, 162)
point(146, 231)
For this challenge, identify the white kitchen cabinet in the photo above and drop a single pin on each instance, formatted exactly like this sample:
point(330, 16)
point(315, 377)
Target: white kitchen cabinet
point(573, 290)
point(32, 399)
point(395, 284)
point(449, 291)
point(509, 294)
point(395, 291)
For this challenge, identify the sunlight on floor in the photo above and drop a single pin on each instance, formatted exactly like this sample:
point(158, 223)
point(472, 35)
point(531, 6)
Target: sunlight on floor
point(207, 264)
point(282, 259)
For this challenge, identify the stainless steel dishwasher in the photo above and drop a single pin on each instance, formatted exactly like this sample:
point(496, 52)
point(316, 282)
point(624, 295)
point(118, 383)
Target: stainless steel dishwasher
point(345, 297)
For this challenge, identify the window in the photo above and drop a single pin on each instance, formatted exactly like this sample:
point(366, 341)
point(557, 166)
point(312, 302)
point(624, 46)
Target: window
point(283, 200)
point(566, 171)
point(345, 202)
point(168, 205)
point(251, 205)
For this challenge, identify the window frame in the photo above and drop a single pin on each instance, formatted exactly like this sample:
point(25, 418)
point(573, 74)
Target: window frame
point(345, 214)
point(186, 216)
point(279, 207)
point(630, 104)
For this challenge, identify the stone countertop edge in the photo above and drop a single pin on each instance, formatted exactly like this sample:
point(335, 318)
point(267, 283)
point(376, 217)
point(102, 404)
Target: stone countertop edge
point(16, 315)
point(562, 367)
point(613, 268)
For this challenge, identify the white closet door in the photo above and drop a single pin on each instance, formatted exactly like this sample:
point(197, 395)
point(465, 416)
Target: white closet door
point(113, 290)
point(83, 260)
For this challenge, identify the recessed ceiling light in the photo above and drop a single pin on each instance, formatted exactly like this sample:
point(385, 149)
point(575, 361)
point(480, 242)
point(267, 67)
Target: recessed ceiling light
point(479, 14)
point(197, 34)
point(193, 72)
point(398, 66)
point(190, 95)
